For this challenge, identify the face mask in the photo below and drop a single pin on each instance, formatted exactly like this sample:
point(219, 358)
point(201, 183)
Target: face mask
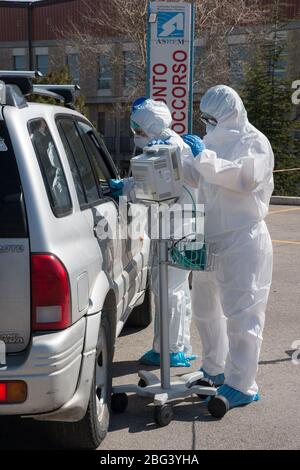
point(140, 141)
point(210, 128)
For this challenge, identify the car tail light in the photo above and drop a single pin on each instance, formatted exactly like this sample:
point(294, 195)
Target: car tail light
point(13, 391)
point(50, 293)
point(3, 392)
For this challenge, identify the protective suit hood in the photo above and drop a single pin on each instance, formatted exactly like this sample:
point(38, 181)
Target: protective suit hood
point(152, 116)
point(225, 105)
point(235, 171)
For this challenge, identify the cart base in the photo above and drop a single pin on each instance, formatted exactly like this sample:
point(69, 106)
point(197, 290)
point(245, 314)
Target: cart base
point(183, 386)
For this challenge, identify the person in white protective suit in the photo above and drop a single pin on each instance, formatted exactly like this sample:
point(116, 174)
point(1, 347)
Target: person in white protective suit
point(233, 168)
point(150, 123)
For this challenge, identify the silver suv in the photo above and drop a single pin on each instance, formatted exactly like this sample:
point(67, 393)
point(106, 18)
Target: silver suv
point(66, 289)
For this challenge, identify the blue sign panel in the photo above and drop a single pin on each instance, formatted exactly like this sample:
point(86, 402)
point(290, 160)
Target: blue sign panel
point(170, 24)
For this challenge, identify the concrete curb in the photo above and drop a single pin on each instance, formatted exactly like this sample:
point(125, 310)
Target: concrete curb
point(285, 200)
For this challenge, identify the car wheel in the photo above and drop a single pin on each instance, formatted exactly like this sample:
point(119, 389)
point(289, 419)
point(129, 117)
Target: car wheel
point(92, 429)
point(141, 316)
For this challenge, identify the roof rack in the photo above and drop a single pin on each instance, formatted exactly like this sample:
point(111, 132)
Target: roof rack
point(15, 86)
point(21, 73)
point(21, 79)
point(65, 93)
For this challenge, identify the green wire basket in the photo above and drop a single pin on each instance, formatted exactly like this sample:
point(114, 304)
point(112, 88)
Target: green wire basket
point(192, 255)
point(191, 252)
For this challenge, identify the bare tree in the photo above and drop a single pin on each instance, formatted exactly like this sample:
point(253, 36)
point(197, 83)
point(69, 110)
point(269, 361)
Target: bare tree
point(216, 22)
point(104, 28)
point(126, 21)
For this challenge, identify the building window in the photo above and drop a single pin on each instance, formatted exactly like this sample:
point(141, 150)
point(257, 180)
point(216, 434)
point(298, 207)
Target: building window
point(277, 65)
point(130, 70)
point(42, 63)
point(199, 68)
point(73, 65)
point(126, 141)
point(106, 129)
point(199, 54)
point(19, 62)
point(101, 123)
point(297, 135)
point(281, 66)
point(238, 56)
point(104, 73)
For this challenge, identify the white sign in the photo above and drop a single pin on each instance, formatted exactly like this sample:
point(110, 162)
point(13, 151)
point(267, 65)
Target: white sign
point(296, 94)
point(170, 45)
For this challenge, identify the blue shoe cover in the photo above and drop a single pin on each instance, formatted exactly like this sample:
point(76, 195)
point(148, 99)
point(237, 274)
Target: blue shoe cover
point(179, 359)
point(235, 397)
point(152, 358)
point(216, 379)
point(192, 357)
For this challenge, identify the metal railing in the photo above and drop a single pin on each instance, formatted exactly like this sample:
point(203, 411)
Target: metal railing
point(288, 190)
point(286, 169)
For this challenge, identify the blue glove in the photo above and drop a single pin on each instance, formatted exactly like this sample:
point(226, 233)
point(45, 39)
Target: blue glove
point(158, 142)
point(116, 187)
point(195, 143)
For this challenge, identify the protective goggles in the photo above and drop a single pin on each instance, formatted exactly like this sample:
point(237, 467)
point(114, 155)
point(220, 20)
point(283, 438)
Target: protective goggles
point(137, 130)
point(207, 119)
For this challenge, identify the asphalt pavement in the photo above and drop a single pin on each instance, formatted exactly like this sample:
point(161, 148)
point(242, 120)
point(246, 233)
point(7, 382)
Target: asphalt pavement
point(271, 423)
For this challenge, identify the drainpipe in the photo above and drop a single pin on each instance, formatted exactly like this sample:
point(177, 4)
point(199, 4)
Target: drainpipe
point(29, 35)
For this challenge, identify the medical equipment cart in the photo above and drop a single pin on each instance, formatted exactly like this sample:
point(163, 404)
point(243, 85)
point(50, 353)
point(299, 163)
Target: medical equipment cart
point(161, 164)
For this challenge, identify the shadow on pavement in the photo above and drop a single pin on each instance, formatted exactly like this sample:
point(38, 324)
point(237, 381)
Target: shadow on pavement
point(130, 330)
point(277, 361)
point(123, 368)
point(24, 434)
point(139, 415)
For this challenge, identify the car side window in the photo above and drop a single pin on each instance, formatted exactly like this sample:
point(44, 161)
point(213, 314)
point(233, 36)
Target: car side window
point(51, 168)
point(73, 166)
point(79, 163)
point(93, 149)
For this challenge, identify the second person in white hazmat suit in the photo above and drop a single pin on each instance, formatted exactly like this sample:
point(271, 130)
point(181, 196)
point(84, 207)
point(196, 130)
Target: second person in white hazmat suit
point(151, 121)
point(234, 173)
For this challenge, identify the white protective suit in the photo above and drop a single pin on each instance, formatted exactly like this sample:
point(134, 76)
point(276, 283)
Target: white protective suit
point(234, 174)
point(154, 118)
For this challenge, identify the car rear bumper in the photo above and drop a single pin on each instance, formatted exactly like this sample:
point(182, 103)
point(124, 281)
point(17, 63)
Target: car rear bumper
point(51, 370)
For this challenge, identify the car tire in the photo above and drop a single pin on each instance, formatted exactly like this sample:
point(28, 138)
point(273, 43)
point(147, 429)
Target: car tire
point(141, 316)
point(92, 429)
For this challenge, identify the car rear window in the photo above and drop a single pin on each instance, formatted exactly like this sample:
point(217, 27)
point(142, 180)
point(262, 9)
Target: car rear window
point(12, 207)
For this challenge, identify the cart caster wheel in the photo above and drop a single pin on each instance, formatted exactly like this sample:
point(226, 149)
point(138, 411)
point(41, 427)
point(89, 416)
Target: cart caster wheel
point(163, 415)
point(142, 383)
point(119, 402)
point(218, 406)
point(204, 383)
